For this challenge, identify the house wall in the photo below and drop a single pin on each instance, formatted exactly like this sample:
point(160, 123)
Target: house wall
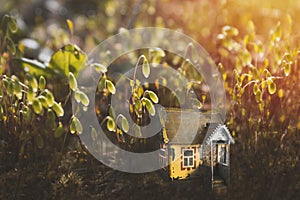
point(177, 170)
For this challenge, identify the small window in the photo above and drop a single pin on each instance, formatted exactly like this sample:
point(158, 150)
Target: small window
point(188, 158)
point(173, 153)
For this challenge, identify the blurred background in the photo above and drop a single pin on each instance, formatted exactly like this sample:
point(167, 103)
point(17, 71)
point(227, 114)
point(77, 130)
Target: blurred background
point(255, 45)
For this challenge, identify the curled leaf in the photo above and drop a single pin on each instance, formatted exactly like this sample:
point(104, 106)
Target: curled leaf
point(70, 26)
point(230, 31)
point(42, 82)
point(84, 99)
point(125, 125)
point(99, 67)
point(150, 107)
point(58, 132)
point(156, 54)
point(12, 25)
point(72, 81)
point(258, 96)
point(75, 126)
point(49, 98)
point(58, 109)
point(1, 112)
point(255, 89)
point(152, 96)
point(146, 68)
point(111, 126)
point(272, 88)
point(17, 89)
point(137, 131)
point(110, 86)
point(37, 106)
point(32, 82)
point(43, 101)
point(287, 69)
point(72, 127)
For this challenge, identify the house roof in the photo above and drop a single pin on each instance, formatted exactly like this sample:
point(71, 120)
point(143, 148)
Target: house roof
point(217, 133)
point(190, 126)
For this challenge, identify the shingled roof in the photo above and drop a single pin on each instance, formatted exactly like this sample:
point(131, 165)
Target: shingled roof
point(188, 126)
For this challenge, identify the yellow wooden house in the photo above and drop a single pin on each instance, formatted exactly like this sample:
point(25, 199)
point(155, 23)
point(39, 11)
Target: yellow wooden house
point(195, 144)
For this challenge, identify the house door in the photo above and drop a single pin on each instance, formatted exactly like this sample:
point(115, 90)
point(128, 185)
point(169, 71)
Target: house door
point(221, 153)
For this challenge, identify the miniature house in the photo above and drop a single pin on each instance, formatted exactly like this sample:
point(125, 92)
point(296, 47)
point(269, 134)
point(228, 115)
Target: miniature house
point(195, 144)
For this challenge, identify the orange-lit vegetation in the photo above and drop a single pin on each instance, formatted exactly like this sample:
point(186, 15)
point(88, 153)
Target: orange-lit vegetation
point(255, 45)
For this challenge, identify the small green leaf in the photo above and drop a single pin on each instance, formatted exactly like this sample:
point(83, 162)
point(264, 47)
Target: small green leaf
point(268, 74)
point(125, 125)
point(99, 67)
point(72, 127)
point(152, 96)
point(110, 86)
point(30, 95)
point(146, 68)
point(78, 125)
point(84, 99)
point(137, 104)
point(39, 141)
point(32, 82)
point(58, 109)
point(10, 88)
point(37, 106)
point(70, 26)
point(258, 96)
point(137, 131)
point(42, 83)
point(75, 126)
point(111, 126)
point(156, 54)
point(77, 96)
point(230, 31)
point(140, 92)
point(255, 89)
point(12, 25)
point(72, 81)
point(287, 69)
point(58, 132)
point(1, 112)
point(101, 84)
point(150, 107)
point(256, 74)
point(272, 88)
point(131, 82)
point(43, 101)
point(17, 89)
point(6, 82)
point(49, 98)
